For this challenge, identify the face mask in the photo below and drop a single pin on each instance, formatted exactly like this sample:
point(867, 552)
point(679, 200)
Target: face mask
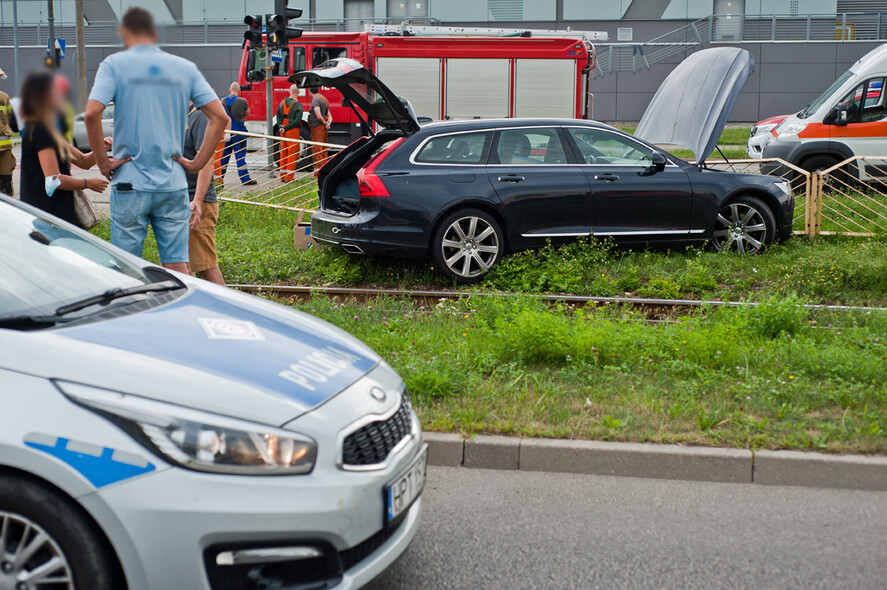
point(51, 183)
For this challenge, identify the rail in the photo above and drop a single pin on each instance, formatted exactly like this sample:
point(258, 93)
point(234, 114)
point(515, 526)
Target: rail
point(437, 295)
point(217, 33)
point(775, 28)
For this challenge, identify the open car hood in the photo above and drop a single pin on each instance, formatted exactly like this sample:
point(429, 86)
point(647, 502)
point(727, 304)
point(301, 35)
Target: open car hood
point(693, 103)
point(364, 91)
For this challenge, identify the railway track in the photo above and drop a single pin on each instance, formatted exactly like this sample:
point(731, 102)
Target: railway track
point(433, 296)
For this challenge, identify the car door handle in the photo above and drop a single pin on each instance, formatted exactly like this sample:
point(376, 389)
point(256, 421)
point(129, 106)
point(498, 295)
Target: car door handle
point(606, 177)
point(511, 178)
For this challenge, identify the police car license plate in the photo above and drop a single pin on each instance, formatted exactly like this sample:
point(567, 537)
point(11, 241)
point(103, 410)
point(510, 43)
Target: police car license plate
point(406, 487)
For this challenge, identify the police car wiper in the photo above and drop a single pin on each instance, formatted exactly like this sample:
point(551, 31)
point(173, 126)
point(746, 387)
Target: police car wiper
point(30, 322)
point(112, 294)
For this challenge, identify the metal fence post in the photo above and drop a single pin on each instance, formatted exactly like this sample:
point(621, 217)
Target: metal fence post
point(879, 27)
point(807, 36)
point(773, 27)
point(844, 33)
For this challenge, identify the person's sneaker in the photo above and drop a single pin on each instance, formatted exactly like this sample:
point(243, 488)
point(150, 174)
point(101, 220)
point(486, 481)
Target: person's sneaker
point(250, 183)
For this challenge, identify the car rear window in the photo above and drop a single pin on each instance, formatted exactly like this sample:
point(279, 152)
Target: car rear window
point(463, 148)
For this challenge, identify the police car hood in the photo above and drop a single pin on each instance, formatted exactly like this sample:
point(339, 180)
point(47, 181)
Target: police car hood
point(691, 106)
point(212, 349)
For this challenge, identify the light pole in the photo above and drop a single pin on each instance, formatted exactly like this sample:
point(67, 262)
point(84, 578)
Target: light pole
point(81, 56)
point(15, 42)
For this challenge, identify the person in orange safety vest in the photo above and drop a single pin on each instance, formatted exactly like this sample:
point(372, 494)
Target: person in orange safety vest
point(289, 114)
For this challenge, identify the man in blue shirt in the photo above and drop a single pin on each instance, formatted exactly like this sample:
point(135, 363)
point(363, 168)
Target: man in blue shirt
point(151, 91)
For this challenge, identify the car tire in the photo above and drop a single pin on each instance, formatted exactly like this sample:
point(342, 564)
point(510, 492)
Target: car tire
point(59, 530)
point(467, 244)
point(745, 224)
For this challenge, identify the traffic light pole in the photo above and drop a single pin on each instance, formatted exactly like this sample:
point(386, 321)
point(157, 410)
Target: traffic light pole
point(269, 100)
point(50, 16)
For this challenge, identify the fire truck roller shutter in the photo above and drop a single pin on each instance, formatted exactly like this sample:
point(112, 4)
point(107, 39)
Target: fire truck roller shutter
point(545, 88)
point(417, 79)
point(477, 88)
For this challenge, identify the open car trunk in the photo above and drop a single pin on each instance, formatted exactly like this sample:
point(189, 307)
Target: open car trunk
point(375, 105)
point(337, 181)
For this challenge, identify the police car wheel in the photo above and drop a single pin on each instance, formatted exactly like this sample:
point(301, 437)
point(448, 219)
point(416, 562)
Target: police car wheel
point(46, 541)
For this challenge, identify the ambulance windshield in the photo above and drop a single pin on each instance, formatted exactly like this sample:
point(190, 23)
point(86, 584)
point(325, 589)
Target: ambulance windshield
point(816, 104)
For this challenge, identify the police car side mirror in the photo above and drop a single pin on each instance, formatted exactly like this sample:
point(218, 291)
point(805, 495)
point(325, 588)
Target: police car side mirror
point(346, 102)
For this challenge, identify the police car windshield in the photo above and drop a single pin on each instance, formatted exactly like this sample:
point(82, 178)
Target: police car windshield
point(44, 266)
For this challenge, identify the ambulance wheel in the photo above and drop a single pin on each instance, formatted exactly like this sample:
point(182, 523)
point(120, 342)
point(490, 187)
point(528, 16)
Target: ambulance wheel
point(817, 164)
point(47, 540)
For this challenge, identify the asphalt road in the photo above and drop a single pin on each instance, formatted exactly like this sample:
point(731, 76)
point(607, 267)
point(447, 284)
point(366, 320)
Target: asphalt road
point(520, 530)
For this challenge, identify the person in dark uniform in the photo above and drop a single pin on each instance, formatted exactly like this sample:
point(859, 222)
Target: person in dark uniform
point(46, 180)
point(238, 110)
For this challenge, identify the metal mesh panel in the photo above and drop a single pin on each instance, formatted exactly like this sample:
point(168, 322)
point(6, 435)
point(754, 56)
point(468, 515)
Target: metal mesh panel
point(299, 193)
point(506, 10)
point(851, 198)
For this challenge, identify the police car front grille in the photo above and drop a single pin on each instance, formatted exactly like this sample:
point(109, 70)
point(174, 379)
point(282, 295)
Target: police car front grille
point(352, 557)
point(371, 444)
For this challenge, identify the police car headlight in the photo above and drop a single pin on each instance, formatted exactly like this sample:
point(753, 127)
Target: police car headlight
point(198, 440)
point(762, 129)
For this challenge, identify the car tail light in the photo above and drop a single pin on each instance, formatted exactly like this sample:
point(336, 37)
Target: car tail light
point(368, 182)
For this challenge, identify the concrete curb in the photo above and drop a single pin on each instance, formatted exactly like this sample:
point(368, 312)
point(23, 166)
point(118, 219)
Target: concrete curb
point(792, 468)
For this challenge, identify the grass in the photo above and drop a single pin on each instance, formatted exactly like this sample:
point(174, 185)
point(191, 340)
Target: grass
point(775, 376)
point(255, 245)
point(737, 136)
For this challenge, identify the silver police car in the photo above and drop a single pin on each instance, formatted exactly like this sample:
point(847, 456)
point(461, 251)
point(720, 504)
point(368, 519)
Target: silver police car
point(157, 431)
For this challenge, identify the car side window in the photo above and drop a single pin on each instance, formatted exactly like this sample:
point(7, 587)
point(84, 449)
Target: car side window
point(519, 147)
point(865, 103)
point(463, 148)
point(873, 107)
point(599, 146)
point(321, 55)
point(298, 59)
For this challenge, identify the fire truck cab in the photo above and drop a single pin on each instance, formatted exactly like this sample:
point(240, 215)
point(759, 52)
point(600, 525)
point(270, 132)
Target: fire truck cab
point(446, 74)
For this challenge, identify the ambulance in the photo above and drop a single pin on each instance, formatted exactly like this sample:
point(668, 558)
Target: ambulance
point(848, 119)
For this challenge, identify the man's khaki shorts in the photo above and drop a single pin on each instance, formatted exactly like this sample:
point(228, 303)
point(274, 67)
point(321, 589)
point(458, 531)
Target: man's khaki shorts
point(7, 162)
point(202, 240)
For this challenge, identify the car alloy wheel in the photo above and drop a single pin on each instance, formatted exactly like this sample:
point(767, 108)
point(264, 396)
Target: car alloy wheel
point(470, 246)
point(741, 226)
point(29, 557)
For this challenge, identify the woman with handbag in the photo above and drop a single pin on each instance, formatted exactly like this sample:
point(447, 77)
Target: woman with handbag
point(46, 180)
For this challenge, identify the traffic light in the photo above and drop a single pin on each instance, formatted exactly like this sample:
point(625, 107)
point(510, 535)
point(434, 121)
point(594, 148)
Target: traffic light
point(279, 34)
point(254, 34)
point(53, 56)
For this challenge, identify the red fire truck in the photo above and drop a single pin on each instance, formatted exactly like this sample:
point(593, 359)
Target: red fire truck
point(445, 73)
